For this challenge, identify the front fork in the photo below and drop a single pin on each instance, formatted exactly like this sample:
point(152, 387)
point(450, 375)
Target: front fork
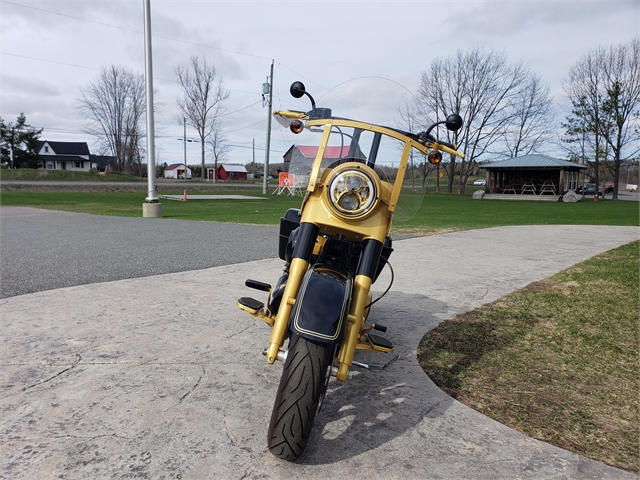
point(359, 299)
point(355, 322)
point(299, 264)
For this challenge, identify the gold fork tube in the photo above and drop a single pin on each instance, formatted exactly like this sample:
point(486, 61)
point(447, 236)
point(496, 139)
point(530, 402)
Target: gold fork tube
point(355, 322)
point(297, 269)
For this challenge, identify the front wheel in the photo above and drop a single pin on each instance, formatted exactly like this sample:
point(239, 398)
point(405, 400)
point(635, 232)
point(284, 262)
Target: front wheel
point(301, 386)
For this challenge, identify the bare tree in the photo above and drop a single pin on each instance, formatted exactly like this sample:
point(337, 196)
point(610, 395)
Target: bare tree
point(584, 89)
point(532, 121)
point(218, 146)
point(604, 90)
point(489, 94)
point(113, 106)
point(621, 108)
point(202, 100)
point(408, 120)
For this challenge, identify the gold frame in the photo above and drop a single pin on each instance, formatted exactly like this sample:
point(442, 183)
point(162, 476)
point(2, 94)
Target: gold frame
point(375, 224)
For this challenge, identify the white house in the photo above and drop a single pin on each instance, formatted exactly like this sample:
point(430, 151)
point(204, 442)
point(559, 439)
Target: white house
point(65, 155)
point(176, 170)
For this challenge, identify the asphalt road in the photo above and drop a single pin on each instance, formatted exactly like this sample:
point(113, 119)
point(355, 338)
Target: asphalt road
point(46, 249)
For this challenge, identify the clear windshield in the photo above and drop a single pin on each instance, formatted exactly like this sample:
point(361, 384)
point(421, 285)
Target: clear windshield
point(380, 152)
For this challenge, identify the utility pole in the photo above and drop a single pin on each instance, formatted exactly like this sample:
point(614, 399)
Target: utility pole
point(253, 169)
point(185, 148)
point(268, 86)
point(152, 207)
point(13, 139)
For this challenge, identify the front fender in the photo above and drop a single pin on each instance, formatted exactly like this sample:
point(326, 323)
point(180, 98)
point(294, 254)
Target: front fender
point(322, 305)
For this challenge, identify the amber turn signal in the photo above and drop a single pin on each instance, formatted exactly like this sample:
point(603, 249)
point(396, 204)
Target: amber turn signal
point(296, 126)
point(434, 157)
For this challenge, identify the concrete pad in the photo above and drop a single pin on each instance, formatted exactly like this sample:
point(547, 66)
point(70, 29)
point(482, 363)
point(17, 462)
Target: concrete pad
point(163, 377)
point(211, 197)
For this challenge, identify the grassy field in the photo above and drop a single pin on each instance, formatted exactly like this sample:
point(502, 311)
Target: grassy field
point(557, 360)
point(438, 212)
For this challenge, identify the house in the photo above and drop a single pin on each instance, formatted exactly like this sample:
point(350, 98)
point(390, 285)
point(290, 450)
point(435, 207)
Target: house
point(65, 155)
point(532, 175)
point(176, 170)
point(232, 172)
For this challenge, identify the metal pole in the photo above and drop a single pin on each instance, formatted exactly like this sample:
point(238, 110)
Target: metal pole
point(152, 197)
point(253, 167)
point(185, 148)
point(265, 180)
point(13, 139)
point(11, 152)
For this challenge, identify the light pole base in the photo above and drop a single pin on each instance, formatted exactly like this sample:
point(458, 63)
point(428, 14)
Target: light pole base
point(151, 210)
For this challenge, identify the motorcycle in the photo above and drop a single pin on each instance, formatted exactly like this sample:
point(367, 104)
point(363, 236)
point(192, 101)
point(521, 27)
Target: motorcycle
point(334, 248)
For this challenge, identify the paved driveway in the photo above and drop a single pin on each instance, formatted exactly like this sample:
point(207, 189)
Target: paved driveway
point(46, 249)
point(162, 376)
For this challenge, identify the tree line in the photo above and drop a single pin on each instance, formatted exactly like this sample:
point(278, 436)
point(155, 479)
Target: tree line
point(113, 107)
point(507, 110)
point(114, 104)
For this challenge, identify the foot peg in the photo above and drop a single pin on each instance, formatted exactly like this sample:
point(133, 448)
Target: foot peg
point(250, 304)
point(380, 341)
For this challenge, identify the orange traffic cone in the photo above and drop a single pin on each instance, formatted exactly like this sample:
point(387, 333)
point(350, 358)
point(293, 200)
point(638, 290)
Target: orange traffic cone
point(595, 197)
point(184, 197)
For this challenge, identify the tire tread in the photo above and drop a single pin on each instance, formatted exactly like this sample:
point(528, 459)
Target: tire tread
point(299, 392)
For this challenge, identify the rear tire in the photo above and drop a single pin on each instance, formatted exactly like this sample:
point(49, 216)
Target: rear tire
point(301, 386)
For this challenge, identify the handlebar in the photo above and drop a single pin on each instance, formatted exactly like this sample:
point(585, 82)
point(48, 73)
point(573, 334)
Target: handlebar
point(285, 118)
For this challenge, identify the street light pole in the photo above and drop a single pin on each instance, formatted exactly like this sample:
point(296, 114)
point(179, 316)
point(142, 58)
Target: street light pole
point(152, 207)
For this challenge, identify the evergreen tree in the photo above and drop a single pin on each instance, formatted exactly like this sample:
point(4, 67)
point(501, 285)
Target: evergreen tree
point(23, 140)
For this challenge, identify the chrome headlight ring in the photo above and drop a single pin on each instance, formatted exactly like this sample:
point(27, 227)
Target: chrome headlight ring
point(352, 192)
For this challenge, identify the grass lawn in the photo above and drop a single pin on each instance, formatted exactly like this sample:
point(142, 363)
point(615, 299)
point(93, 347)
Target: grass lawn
point(438, 212)
point(557, 360)
point(259, 211)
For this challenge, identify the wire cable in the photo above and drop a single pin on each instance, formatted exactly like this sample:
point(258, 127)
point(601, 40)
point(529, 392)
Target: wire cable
point(390, 283)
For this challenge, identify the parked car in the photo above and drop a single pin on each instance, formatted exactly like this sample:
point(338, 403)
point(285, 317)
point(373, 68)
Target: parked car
point(589, 189)
point(480, 182)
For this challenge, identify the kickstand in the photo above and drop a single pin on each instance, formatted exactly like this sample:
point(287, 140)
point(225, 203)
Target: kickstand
point(376, 367)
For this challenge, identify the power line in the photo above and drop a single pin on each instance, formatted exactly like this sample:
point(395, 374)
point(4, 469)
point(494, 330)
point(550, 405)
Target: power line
point(240, 109)
point(100, 69)
point(136, 31)
point(49, 61)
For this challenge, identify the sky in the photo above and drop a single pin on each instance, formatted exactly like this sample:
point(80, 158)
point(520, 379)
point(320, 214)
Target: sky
point(360, 58)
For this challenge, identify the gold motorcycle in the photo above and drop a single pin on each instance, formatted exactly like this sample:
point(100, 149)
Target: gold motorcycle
point(334, 247)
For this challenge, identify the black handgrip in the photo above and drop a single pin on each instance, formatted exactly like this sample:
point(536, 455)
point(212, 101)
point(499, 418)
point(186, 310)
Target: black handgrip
point(380, 328)
point(265, 287)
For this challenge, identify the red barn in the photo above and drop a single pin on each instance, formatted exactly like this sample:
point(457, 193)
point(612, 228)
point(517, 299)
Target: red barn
point(232, 172)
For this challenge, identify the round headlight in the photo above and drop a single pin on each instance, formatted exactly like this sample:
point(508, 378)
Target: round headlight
point(352, 192)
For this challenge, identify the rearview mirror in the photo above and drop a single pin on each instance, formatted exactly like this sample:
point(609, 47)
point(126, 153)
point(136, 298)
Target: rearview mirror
point(297, 89)
point(453, 122)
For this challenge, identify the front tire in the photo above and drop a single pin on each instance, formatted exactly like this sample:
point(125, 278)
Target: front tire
point(301, 386)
